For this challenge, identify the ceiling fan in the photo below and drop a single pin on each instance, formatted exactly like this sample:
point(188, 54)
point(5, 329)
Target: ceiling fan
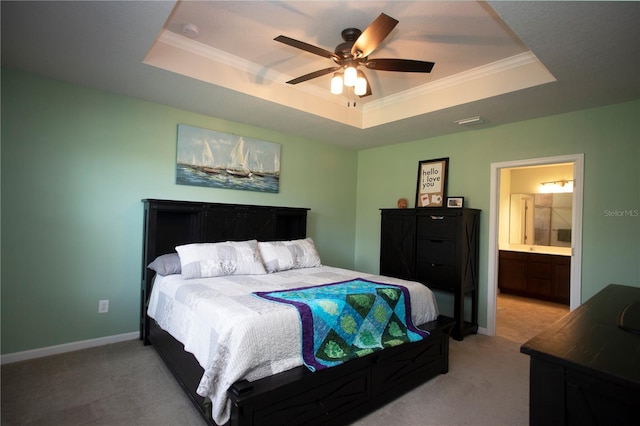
point(355, 51)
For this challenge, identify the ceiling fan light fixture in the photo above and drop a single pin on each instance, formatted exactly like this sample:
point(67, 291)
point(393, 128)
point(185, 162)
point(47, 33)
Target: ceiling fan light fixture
point(361, 85)
point(350, 75)
point(336, 84)
point(355, 51)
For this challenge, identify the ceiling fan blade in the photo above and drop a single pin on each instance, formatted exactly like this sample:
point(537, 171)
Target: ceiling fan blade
point(306, 47)
point(312, 75)
point(402, 65)
point(371, 37)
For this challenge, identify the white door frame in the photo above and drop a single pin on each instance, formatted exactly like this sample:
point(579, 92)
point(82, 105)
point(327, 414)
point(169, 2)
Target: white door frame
point(576, 233)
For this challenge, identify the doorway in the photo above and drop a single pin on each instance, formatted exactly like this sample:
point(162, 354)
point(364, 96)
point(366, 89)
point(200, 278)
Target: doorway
point(494, 228)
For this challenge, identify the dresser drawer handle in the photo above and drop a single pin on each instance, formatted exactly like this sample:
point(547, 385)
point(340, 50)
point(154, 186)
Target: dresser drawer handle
point(437, 217)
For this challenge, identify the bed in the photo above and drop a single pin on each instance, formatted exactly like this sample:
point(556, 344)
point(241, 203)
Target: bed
point(276, 391)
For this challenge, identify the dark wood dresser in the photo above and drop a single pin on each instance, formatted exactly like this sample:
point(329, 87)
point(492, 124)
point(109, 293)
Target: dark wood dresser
point(585, 368)
point(439, 248)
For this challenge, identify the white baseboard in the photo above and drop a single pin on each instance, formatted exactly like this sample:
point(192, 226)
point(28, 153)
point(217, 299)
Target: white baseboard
point(67, 347)
point(483, 330)
point(85, 344)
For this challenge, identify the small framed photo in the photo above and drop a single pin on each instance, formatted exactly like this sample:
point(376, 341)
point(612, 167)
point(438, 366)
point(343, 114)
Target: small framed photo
point(455, 202)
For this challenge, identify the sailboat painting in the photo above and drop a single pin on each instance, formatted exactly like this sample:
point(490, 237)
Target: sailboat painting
point(222, 160)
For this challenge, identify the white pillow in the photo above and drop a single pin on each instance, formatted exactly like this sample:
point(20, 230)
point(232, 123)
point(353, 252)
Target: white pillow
point(284, 255)
point(218, 259)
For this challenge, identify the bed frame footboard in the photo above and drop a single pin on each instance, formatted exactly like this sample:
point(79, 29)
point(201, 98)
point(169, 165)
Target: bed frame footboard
point(337, 395)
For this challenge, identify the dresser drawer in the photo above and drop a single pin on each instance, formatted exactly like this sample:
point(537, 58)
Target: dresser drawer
point(435, 275)
point(441, 252)
point(437, 225)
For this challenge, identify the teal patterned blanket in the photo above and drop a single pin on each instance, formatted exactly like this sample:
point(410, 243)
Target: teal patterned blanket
point(350, 319)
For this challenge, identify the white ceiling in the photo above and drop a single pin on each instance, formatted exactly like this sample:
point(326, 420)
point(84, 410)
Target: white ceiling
point(503, 61)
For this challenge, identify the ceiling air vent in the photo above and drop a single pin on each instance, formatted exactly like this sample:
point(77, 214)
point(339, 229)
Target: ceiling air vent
point(471, 121)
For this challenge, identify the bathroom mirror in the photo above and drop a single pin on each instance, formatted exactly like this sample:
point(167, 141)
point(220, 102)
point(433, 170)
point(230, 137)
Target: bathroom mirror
point(541, 219)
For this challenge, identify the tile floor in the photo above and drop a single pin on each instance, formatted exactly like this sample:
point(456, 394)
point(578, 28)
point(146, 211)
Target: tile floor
point(519, 318)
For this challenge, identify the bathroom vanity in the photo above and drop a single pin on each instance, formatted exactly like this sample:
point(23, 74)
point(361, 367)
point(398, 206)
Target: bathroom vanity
point(535, 260)
point(537, 275)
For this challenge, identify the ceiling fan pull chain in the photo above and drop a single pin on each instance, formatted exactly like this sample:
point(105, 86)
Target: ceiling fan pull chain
point(353, 96)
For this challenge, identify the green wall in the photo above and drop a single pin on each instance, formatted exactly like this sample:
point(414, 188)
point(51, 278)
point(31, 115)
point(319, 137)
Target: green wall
point(609, 137)
point(75, 164)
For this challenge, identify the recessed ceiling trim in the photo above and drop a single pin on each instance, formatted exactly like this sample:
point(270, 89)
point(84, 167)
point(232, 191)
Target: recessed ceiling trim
point(516, 73)
point(474, 74)
point(178, 54)
point(513, 73)
point(217, 55)
point(191, 46)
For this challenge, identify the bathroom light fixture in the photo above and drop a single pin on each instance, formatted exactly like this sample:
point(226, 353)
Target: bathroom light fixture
point(561, 182)
point(556, 186)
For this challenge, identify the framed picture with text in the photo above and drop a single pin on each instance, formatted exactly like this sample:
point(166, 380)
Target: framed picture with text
point(431, 188)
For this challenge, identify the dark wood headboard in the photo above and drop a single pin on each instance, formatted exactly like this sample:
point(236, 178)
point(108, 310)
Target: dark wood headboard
point(168, 224)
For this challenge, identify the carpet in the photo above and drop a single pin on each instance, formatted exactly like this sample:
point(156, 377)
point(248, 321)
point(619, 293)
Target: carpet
point(127, 384)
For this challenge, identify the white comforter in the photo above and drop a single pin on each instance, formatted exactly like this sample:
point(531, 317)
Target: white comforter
point(235, 335)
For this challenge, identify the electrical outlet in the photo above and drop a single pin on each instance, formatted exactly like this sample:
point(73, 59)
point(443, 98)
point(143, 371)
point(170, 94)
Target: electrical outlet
point(103, 306)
